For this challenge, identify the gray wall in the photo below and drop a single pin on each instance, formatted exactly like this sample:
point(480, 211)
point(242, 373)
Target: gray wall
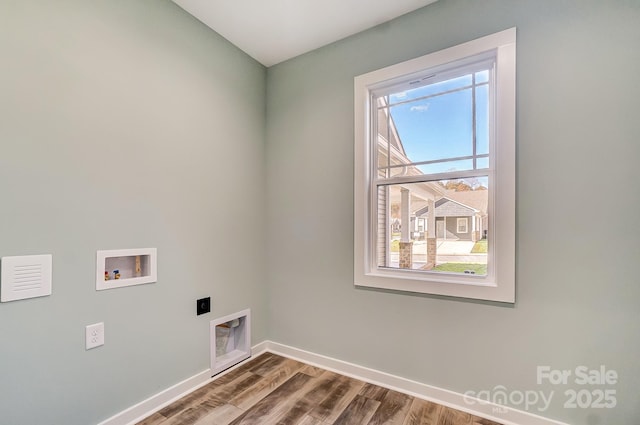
point(123, 124)
point(577, 137)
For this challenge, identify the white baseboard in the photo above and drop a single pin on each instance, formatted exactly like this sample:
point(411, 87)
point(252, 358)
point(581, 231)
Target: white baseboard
point(495, 412)
point(260, 348)
point(145, 408)
point(135, 414)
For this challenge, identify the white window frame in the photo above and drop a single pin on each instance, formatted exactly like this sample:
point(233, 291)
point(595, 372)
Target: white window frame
point(465, 222)
point(499, 282)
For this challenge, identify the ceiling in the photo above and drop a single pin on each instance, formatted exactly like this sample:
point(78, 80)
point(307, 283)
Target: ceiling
point(272, 31)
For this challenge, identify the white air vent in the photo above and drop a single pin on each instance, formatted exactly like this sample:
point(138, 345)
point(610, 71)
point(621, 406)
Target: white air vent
point(23, 277)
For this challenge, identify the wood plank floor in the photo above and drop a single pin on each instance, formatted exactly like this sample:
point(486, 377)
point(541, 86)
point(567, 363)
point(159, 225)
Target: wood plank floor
point(271, 389)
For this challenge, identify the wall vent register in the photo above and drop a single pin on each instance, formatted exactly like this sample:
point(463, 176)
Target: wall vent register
point(25, 277)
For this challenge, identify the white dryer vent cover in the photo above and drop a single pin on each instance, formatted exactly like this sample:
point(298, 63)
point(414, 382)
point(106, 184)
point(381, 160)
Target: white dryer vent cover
point(26, 276)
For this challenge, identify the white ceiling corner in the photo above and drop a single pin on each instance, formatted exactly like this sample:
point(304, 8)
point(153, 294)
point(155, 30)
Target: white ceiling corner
point(272, 31)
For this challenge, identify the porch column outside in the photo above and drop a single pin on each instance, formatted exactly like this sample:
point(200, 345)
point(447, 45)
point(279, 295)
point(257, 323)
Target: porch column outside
point(406, 244)
point(431, 219)
point(431, 235)
point(405, 215)
point(474, 235)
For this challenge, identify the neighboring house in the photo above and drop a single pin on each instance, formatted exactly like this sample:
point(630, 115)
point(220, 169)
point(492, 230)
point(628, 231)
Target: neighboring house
point(457, 220)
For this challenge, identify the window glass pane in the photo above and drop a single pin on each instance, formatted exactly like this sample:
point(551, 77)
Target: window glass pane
point(482, 163)
point(438, 167)
point(431, 89)
point(436, 128)
point(482, 120)
point(482, 77)
point(382, 141)
point(442, 167)
point(451, 239)
point(406, 170)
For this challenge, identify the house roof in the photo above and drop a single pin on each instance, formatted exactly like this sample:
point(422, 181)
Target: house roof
point(384, 128)
point(477, 199)
point(446, 207)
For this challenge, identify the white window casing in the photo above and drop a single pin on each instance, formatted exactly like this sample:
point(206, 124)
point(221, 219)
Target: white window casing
point(499, 282)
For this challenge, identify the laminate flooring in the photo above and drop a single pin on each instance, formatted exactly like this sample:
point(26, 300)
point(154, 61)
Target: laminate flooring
point(274, 390)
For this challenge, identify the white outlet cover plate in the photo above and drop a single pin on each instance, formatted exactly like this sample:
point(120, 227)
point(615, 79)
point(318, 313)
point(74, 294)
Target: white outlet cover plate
point(94, 335)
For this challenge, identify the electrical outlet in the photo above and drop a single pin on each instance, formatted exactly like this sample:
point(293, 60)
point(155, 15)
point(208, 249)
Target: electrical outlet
point(94, 335)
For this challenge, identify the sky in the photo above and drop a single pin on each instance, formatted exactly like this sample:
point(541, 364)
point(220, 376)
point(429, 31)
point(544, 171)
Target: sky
point(441, 126)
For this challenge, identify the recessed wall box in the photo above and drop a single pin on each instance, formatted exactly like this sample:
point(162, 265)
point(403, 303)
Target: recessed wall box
point(230, 340)
point(27, 276)
point(125, 267)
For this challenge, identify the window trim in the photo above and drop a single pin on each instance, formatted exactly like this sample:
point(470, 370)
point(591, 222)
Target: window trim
point(499, 284)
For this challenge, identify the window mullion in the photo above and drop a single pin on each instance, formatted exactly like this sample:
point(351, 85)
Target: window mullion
point(426, 178)
point(431, 96)
point(438, 161)
point(473, 120)
point(388, 172)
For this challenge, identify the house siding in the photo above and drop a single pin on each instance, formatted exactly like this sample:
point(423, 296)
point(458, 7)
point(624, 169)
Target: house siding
point(383, 228)
point(452, 228)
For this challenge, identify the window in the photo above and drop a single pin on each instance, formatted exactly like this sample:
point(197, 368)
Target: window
point(462, 225)
point(435, 173)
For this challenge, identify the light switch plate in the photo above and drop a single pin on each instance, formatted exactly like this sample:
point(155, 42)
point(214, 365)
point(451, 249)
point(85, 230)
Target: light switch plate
point(27, 276)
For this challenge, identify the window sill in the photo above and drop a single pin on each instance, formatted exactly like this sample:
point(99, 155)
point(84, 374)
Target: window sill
point(442, 284)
